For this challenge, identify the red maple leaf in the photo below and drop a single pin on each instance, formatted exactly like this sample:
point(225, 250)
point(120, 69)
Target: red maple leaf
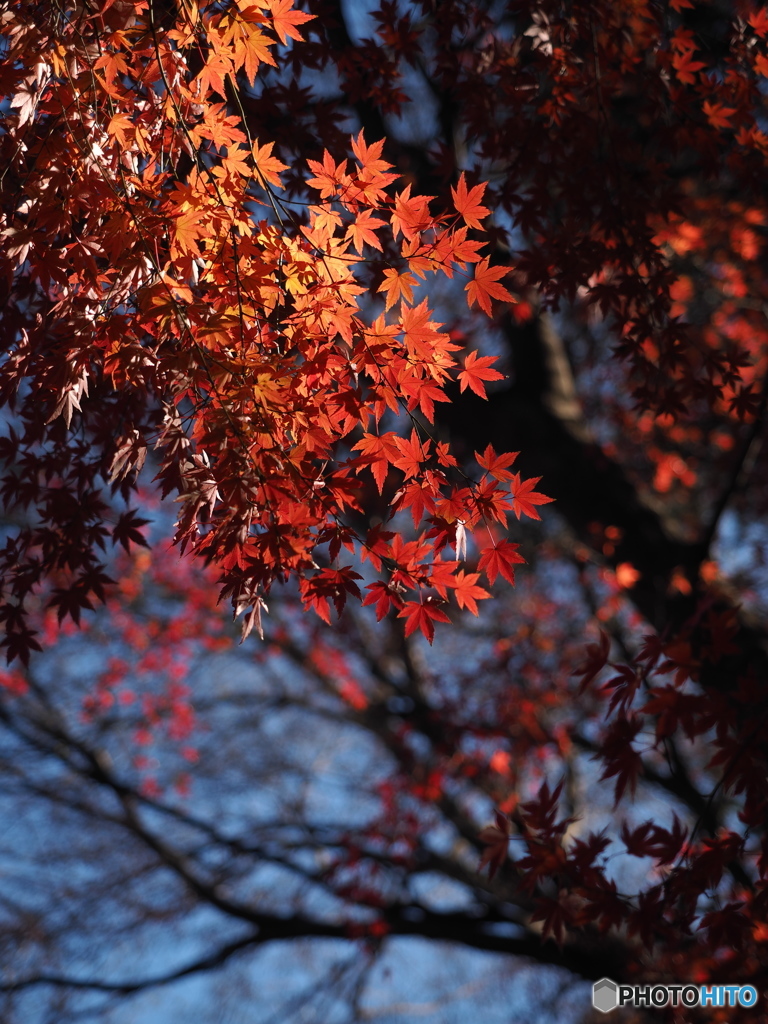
point(412, 453)
point(524, 498)
point(500, 559)
point(330, 585)
point(422, 616)
point(383, 596)
point(495, 464)
point(759, 21)
point(378, 453)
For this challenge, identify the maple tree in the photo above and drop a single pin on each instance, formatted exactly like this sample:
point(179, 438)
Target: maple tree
point(327, 317)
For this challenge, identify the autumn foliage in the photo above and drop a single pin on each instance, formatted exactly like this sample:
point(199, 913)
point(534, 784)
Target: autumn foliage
point(238, 311)
point(323, 343)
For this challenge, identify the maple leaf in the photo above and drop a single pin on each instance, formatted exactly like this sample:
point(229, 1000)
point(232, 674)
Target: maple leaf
point(466, 590)
point(422, 616)
point(397, 286)
point(686, 67)
point(524, 498)
point(484, 286)
point(126, 530)
point(369, 157)
point(384, 597)
point(454, 247)
point(619, 757)
point(759, 21)
point(424, 340)
point(411, 214)
point(745, 403)
point(415, 497)
point(495, 464)
point(557, 915)
point(20, 644)
point(285, 19)
point(251, 51)
point(268, 167)
point(362, 230)
point(214, 73)
point(595, 660)
point(378, 452)
point(476, 370)
point(412, 453)
point(330, 585)
point(491, 500)
point(625, 685)
point(188, 228)
point(498, 559)
point(122, 128)
point(495, 838)
point(114, 65)
point(467, 203)
point(718, 115)
point(424, 394)
point(441, 576)
point(329, 176)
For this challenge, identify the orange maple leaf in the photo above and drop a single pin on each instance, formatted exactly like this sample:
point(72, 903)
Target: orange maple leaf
point(285, 19)
point(476, 370)
point(718, 115)
point(485, 286)
point(369, 157)
point(411, 214)
point(362, 229)
point(468, 202)
point(268, 167)
point(212, 76)
point(328, 176)
point(686, 67)
point(251, 51)
point(397, 286)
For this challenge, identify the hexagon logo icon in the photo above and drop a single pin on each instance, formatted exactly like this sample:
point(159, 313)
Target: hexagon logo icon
point(605, 995)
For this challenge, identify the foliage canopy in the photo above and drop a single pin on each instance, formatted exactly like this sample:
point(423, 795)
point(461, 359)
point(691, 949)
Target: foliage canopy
point(326, 286)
